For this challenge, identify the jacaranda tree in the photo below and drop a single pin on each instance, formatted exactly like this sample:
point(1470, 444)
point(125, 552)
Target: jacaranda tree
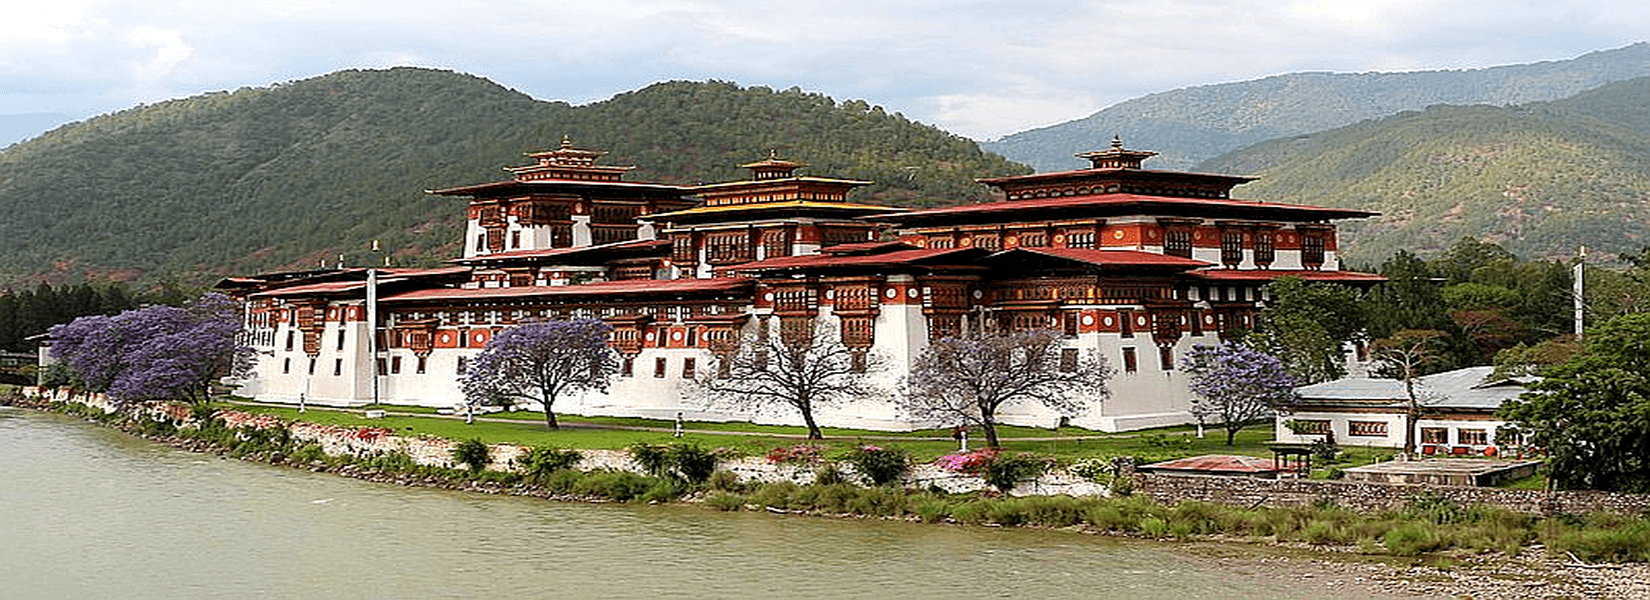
point(1237, 385)
point(540, 363)
point(156, 353)
point(967, 380)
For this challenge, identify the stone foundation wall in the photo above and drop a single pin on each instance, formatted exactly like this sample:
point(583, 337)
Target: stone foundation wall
point(437, 452)
point(1370, 496)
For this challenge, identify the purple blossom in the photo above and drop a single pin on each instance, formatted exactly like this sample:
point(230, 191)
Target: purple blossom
point(1237, 385)
point(541, 362)
point(156, 353)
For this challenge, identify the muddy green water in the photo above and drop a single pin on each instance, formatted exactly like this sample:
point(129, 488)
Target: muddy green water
point(88, 512)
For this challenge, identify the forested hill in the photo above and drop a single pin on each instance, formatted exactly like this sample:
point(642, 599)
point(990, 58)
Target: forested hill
point(292, 173)
point(1539, 179)
point(1189, 125)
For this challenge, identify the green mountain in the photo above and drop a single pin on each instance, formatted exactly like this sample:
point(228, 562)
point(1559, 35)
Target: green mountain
point(1190, 125)
point(1539, 179)
point(294, 173)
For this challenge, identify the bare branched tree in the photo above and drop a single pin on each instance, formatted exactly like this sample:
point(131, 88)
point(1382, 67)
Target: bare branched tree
point(1404, 355)
point(803, 370)
point(966, 380)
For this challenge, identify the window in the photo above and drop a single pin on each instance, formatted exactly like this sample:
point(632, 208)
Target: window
point(463, 365)
point(311, 366)
point(1125, 318)
point(286, 366)
point(395, 365)
point(515, 239)
point(1068, 360)
point(340, 339)
point(1310, 426)
point(628, 367)
point(1265, 252)
point(379, 364)
point(1130, 363)
point(1434, 435)
point(1177, 241)
point(659, 367)
point(1165, 357)
point(1312, 251)
point(289, 336)
point(689, 366)
point(337, 367)
point(1231, 247)
point(1069, 324)
point(422, 363)
point(1080, 239)
point(1473, 437)
point(1031, 239)
point(1366, 428)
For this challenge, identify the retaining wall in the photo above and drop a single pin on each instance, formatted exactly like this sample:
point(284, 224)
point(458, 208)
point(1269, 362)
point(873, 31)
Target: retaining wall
point(1371, 496)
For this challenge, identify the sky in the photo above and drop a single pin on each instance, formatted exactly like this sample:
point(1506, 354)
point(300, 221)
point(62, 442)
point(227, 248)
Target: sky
point(977, 68)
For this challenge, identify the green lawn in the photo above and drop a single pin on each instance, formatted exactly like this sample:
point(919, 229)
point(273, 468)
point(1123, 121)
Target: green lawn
point(527, 428)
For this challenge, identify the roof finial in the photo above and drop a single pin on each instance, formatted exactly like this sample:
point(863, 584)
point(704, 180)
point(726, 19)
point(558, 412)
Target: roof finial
point(1117, 141)
point(566, 141)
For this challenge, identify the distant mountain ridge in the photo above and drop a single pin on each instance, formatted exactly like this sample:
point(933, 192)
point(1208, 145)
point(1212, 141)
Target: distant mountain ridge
point(1190, 125)
point(296, 173)
point(1538, 178)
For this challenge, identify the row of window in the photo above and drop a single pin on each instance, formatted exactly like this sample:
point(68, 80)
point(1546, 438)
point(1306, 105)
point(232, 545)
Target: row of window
point(1429, 435)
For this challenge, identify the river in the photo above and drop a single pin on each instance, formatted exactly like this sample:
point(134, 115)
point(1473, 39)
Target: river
point(88, 512)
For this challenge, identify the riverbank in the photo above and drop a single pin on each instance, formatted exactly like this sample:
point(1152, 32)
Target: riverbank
point(1306, 542)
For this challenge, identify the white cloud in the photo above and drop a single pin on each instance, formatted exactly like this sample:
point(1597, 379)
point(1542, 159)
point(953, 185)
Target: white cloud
point(977, 67)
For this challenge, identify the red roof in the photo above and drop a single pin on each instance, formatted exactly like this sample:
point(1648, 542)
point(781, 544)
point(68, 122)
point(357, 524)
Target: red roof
point(1250, 275)
point(1217, 463)
point(608, 288)
point(885, 259)
point(1125, 204)
point(387, 276)
point(1109, 258)
point(552, 252)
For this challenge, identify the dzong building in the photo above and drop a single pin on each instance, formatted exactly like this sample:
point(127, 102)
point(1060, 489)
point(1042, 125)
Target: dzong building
point(1134, 265)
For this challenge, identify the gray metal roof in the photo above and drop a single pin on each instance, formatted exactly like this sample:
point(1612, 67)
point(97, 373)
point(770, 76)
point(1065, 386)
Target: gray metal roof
point(1462, 388)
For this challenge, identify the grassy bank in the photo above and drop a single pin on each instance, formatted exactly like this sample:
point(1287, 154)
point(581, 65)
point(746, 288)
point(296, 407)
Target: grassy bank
point(1430, 526)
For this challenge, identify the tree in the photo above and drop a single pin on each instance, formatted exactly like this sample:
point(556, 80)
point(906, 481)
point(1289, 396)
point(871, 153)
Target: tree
point(968, 379)
point(156, 353)
point(540, 363)
point(801, 371)
point(1404, 356)
point(1305, 324)
point(1591, 414)
point(1238, 384)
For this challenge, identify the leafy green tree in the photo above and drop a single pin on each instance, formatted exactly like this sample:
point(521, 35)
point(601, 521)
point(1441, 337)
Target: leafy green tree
point(1592, 413)
point(1305, 324)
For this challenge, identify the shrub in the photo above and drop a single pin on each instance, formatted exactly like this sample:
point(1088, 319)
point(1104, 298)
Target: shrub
point(777, 494)
point(650, 457)
point(1410, 539)
point(689, 463)
point(800, 454)
point(1629, 542)
point(725, 502)
point(933, 510)
point(828, 474)
point(541, 461)
point(616, 485)
point(725, 481)
point(1154, 527)
point(1006, 471)
point(473, 453)
point(882, 466)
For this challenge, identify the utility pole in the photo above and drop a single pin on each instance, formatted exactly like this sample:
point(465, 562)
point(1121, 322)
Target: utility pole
point(1580, 299)
point(372, 321)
